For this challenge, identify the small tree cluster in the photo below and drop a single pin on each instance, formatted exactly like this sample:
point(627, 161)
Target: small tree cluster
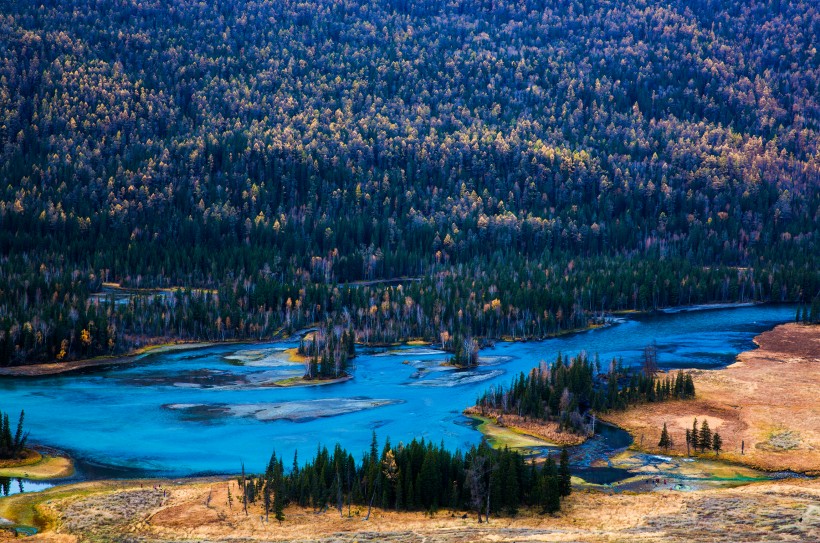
point(11, 446)
point(465, 352)
point(809, 314)
point(703, 438)
point(328, 352)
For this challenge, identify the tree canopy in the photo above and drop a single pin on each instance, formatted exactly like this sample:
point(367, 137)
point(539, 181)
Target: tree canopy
point(533, 163)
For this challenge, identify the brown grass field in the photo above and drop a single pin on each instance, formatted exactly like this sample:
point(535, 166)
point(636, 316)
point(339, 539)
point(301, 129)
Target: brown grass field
point(199, 511)
point(768, 400)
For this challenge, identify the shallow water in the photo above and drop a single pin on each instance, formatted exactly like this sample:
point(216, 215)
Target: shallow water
point(206, 411)
point(18, 485)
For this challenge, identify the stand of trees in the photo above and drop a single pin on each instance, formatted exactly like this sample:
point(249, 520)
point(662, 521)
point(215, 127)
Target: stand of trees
point(50, 313)
point(419, 476)
point(700, 438)
point(328, 350)
point(11, 445)
point(465, 351)
point(566, 389)
point(809, 314)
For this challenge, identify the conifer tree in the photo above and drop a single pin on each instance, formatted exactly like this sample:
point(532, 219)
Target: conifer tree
point(695, 435)
point(565, 476)
point(705, 438)
point(551, 491)
point(665, 442)
point(717, 443)
point(19, 437)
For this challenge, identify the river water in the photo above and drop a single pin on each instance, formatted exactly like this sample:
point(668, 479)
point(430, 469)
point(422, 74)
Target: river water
point(208, 411)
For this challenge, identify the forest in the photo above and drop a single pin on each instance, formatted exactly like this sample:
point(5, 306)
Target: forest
point(567, 390)
point(444, 171)
point(419, 476)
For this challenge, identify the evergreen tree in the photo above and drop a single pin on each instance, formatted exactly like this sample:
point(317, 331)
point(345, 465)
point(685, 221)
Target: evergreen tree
point(551, 487)
point(695, 435)
point(705, 437)
point(717, 443)
point(665, 442)
point(6, 441)
point(565, 487)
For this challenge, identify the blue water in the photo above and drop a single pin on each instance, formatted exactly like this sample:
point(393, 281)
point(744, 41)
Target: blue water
point(207, 411)
point(16, 485)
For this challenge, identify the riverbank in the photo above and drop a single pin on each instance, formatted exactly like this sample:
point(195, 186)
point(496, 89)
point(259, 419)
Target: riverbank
point(37, 466)
point(71, 366)
point(764, 406)
point(163, 346)
point(514, 431)
point(199, 510)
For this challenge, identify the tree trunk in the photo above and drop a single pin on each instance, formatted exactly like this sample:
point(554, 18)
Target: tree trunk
point(372, 497)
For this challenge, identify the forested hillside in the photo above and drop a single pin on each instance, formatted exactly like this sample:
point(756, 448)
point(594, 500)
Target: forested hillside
point(533, 163)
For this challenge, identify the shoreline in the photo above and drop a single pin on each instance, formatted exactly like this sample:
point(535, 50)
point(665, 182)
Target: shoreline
point(37, 509)
point(45, 369)
point(786, 357)
point(295, 382)
point(507, 432)
point(60, 368)
point(37, 466)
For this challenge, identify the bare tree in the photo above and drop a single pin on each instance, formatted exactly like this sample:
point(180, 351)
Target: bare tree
point(244, 491)
point(650, 360)
point(478, 482)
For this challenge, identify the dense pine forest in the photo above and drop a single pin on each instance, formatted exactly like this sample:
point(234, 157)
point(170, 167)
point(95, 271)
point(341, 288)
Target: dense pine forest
point(419, 476)
point(446, 171)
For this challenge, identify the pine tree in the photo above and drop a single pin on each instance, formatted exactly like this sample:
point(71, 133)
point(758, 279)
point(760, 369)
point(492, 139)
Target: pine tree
point(6, 443)
point(705, 438)
point(695, 435)
point(19, 438)
point(689, 387)
point(664, 443)
point(565, 487)
point(551, 491)
point(717, 443)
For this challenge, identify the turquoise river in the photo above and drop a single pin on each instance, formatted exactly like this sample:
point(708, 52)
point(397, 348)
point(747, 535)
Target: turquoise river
point(206, 411)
